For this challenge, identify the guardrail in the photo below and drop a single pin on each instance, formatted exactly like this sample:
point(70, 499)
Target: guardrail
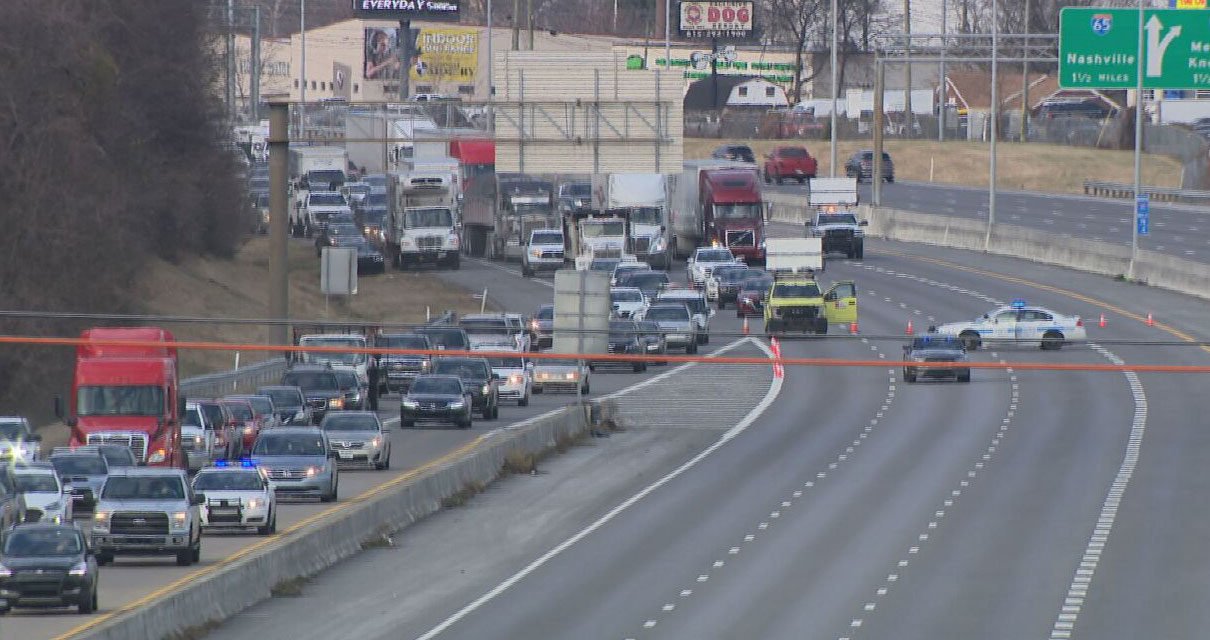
point(234, 381)
point(1160, 194)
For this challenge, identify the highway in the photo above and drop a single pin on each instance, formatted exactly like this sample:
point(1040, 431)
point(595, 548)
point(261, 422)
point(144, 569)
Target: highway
point(1024, 504)
point(1176, 229)
point(133, 578)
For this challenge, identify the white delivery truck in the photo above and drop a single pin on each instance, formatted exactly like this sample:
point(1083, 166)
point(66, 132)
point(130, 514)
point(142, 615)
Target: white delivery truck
point(422, 224)
point(646, 197)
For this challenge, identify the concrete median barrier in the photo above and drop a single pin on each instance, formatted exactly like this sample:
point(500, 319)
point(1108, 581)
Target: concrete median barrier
point(222, 590)
point(1152, 268)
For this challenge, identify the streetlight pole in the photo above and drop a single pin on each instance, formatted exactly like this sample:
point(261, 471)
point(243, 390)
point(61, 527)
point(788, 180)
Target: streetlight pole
point(302, 67)
point(667, 34)
point(835, 88)
point(491, 62)
point(944, 97)
point(1138, 147)
point(995, 114)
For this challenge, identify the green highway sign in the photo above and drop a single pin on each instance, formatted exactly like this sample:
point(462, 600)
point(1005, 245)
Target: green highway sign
point(1098, 48)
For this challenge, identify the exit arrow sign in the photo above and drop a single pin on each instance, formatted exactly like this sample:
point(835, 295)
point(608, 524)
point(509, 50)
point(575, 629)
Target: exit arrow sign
point(1098, 48)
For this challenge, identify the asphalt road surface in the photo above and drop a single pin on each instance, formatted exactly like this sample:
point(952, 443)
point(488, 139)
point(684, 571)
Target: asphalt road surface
point(1025, 504)
point(1176, 229)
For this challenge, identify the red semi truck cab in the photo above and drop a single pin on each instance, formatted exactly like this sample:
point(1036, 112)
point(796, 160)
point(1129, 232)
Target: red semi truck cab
point(128, 394)
point(732, 212)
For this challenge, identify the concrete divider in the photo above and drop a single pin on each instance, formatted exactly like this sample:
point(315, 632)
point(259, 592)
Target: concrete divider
point(222, 590)
point(1152, 268)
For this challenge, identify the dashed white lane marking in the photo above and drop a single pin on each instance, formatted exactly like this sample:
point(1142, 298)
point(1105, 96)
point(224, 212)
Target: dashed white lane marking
point(769, 398)
point(1077, 591)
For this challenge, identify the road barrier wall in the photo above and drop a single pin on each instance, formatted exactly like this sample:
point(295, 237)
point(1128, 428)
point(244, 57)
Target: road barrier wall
point(248, 578)
point(1152, 268)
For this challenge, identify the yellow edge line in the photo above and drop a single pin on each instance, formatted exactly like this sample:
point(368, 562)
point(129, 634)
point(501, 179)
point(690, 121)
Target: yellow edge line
point(369, 493)
point(1044, 287)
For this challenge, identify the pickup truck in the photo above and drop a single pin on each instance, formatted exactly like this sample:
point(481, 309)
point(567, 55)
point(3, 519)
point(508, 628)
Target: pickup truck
point(148, 511)
point(543, 252)
point(794, 163)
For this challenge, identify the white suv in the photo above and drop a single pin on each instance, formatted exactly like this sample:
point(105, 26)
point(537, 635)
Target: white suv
point(704, 260)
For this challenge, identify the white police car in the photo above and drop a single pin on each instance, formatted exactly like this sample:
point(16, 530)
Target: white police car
point(1017, 323)
point(238, 496)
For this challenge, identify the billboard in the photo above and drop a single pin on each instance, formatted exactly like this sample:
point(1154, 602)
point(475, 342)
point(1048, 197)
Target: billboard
point(381, 59)
point(447, 54)
point(732, 20)
point(444, 10)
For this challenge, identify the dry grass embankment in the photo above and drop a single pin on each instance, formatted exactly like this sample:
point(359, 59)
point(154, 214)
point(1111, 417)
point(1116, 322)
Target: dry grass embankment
point(1030, 166)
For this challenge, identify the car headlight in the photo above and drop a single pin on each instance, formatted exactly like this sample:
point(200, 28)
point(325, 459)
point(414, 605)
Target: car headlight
point(179, 519)
point(571, 376)
point(197, 440)
point(409, 404)
point(255, 503)
point(917, 358)
point(5, 572)
point(313, 471)
point(458, 404)
point(376, 441)
point(653, 347)
point(537, 253)
point(336, 403)
point(516, 378)
point(354, 397)
point(157, 456)
point(248, 430)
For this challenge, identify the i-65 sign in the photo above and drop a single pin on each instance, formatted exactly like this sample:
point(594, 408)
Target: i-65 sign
point(1099, 48)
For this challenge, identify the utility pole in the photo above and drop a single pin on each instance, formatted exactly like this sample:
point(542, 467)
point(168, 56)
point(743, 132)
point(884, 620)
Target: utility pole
point(254, 68)
point(1138, 150)
point(943, 100)
point(302, 71)
point(835, 88)
point(230, 62)
point(907, 69)
point(516, 25)
point(1025, 77)
point(405, 58)
point(995, 113)
point(491, 63)
point(529, 21)
point(879, 124)
point(279, 280)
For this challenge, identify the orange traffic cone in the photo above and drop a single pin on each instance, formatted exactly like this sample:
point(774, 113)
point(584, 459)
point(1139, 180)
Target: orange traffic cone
point(1102, 323)
point(1150, 322)
point(853, 328)
point(910, 330)
point(745, 325)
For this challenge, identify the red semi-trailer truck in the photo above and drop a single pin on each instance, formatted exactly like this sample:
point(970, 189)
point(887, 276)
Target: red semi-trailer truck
point(719, 202)
point(128, 394)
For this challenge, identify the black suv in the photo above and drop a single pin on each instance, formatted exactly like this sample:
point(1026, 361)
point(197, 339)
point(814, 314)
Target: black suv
point(397, 371)
point(840, 232)
point(446, 337)
point(477, 374)
point(941, 350)
point(860, 165)
point(737, 152)
point(437, 398)
point(319, 385)
point(48, 565)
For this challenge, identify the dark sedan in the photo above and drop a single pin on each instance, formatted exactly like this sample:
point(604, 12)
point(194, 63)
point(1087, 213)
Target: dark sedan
point(44, 565)
point(860, 165)
point(331, 233)
point(623, 339)
point(439, 398)
point(737, 152)
point(542, 326)
point(369, 258)
point(396, 370)
point(751, 298)
point(446, 337)
point(652, 339)
point(941, 350)
point(477, 374)
point(649, 282)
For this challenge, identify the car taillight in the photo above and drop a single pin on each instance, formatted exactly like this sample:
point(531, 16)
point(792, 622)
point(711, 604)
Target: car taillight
point(1079, 322)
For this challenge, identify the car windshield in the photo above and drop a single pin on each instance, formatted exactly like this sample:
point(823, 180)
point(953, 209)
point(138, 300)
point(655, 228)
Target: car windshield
point(326, 200)
point(452, 339)
point(192, 418)
point(668, 313)
point(133, 400)
point(715, 255)
point(261, 405)
point(214, 414)
point(283, 398)
point(648, 327)
point(349, 422)
point(289, 444)
point(751, 211)
point(436, 386)
point(464, 370)
point(626, 295)
point(357, 189)
point(622, 330)
point(44, 542)
point(756, 284)
point(319, 380)
point(36, 483)
point(545, 313)
point(603, 265)
point(546, 237)
point(602, 229)
point(80, 465)
point(375, 180)
point(555, 362)
point(796, 290)
point(143, 488)
point(506, 363)
point(648, 281)
point(228, 481)
point(346, 379)
point(429, 218)
point(793, 152)
point(695, 304)
point(577, 190)
point(729, 274)
point(344, 230)
point(12, 430)
point(325, 357)
point(328, 178)
point(498, 326)
point(403, 342)
point(645, 215)
point(240, 410)
point(837, 218)
point(118, 456)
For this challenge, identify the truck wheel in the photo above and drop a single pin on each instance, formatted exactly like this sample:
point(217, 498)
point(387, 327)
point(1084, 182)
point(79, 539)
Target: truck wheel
point(88, 603)
point(909, 377)
point(859, 253)
point(184, 558)
point(104, 559)
point(526, 272)
point(970, 339)
point(780, 180)
point(196, 553)
point(455, 262)
point(692, 348)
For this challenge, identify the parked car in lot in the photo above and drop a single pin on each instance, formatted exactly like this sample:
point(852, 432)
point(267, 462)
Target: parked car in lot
point(790, 162)
point(237, 497)
point(47, 565)
point(358, 437)
point(737, 152)
point(298, 461)
point(475, 373)
point(148, 511)
point(289, 402)
point(436, 398)
point(860, 165)
point(46, 499)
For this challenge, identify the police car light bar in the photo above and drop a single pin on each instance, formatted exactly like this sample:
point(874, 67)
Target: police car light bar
point(246, 463)
point(1018, 303)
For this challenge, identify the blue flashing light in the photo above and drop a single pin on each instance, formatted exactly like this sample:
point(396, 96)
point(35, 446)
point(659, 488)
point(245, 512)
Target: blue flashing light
point(246, 463)
point(1018, 303)
point(221, 464)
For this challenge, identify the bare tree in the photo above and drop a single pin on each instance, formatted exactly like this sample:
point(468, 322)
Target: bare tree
point(798, 23)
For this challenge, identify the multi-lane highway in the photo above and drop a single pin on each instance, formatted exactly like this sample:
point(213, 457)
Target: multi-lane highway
point(1176, 229)
point(1036, 504)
